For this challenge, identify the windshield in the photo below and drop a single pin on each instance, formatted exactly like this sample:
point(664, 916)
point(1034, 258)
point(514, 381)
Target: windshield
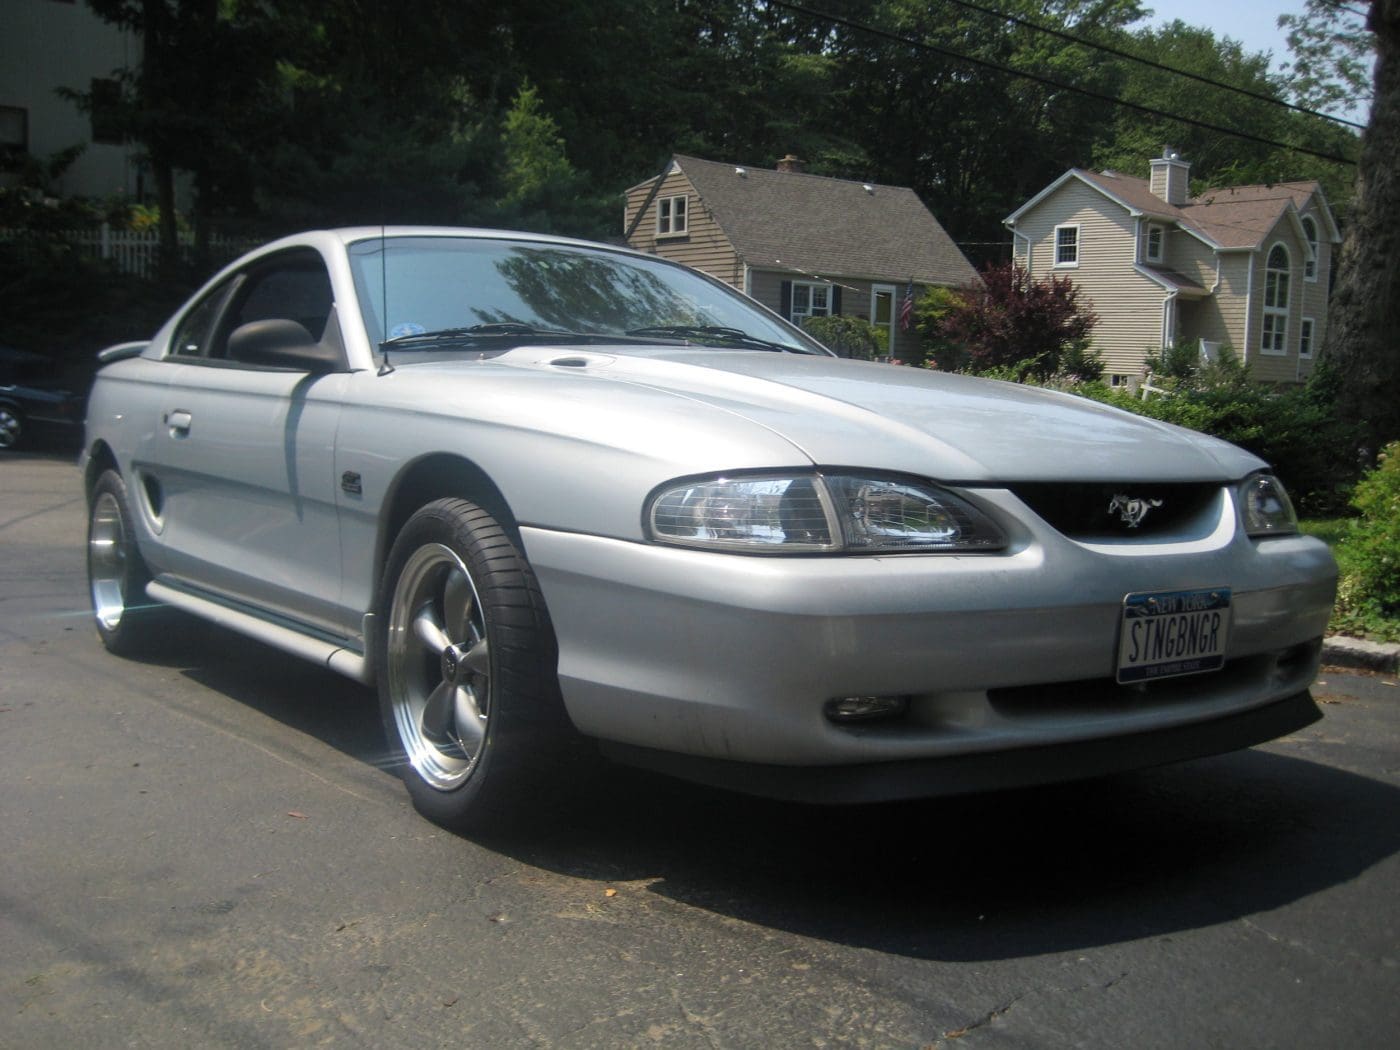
point(436, 284)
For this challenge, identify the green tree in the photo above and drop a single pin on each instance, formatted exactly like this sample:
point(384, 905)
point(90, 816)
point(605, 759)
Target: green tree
point(947, 127)
point(540, 188)
point(1333, 53)
point(203, 90)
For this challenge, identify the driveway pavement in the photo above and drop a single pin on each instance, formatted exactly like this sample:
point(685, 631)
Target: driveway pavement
point(202, 849)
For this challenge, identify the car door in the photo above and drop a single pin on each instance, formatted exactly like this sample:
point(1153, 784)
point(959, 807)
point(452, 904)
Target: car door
point(245, 453)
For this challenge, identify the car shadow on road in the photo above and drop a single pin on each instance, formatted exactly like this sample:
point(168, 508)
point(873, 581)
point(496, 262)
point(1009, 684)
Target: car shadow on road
point(991, 876)
point(996, 875)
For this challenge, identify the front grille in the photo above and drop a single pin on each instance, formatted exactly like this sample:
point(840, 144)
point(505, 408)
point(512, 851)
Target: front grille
point(1097, 511)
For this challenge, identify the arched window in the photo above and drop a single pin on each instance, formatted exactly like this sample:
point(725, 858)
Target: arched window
point(1276, 278)
point(1310, 232)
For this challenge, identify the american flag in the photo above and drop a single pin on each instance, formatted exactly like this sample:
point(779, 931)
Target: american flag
point(906, 308)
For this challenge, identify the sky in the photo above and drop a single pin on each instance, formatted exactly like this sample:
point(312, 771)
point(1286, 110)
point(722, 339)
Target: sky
point(1254, 23)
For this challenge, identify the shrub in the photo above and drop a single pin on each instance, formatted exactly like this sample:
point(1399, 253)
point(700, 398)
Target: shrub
point(929, 314)
point(55, 303)
point(1369, 553)
point(1295, 430)
point(848, 336)
point(1080, 364)
point(1012, 318)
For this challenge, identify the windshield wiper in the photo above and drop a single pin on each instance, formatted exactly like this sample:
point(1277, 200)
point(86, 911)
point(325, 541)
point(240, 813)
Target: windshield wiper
point(715, 334)
point(494, 332)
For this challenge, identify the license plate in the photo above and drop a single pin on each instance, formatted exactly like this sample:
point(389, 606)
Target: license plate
point(1169, 633)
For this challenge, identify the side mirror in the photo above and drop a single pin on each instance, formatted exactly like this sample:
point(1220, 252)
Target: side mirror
point(279, 343)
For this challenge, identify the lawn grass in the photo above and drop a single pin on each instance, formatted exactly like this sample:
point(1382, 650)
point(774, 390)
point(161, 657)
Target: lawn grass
point(1329, 530)
point(1359, 623)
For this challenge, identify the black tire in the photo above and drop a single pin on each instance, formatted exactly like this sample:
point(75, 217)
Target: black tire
point(128, 622)
point(468, 684)
point(11, 428)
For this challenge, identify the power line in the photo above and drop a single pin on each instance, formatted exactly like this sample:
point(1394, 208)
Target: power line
point(1058, 84)
point(1111, 50)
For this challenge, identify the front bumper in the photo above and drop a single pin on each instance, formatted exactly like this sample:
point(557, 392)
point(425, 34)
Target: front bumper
point(988, 771)
point(732, 658)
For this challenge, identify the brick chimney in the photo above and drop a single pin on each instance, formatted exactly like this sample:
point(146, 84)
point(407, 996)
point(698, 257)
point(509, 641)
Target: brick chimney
point(1170, 177)
point(792, 164)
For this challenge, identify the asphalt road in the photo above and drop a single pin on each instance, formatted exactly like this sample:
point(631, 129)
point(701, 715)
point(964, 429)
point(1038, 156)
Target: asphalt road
point(201, 850)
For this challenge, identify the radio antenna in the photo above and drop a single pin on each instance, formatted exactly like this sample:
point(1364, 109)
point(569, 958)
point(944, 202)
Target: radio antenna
point(384, 367)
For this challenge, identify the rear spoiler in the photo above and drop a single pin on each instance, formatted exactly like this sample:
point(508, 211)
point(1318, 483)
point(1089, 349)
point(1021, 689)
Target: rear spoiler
point(121, 351)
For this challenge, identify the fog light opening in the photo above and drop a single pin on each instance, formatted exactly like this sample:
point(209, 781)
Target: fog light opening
point(865, 708)
point(1295, 659)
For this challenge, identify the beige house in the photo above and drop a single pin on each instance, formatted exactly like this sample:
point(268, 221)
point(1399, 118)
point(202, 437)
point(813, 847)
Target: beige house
point(802, 245)
point(1246, 267)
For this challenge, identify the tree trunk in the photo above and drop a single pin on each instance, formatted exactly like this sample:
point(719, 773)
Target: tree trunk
point(202, 196)
point(1362, 347)
point(168, 257)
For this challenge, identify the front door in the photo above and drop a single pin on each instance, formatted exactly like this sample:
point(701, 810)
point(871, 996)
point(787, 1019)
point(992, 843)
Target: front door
point(245, 455)
point(882, 312)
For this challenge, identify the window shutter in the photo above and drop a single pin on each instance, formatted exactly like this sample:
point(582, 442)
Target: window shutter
point(786, 301)
point(835, 299)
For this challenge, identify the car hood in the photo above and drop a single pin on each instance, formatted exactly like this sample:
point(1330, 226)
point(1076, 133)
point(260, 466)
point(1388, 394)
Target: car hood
point(951, 427)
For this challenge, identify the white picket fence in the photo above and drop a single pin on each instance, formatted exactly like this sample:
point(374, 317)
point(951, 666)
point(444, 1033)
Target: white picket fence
point(129, 251)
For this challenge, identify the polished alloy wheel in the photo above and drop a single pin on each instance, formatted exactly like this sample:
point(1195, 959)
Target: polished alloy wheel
point(439, 667)
point(10, 428)
point(107, 564)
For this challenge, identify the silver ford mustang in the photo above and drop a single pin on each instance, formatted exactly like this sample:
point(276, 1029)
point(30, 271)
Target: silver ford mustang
point(540, 491)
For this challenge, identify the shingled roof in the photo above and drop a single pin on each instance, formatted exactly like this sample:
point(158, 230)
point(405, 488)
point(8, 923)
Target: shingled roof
point(1231, 217)
point(811, 224)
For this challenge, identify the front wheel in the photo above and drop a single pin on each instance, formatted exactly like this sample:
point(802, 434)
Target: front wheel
point(467, 680)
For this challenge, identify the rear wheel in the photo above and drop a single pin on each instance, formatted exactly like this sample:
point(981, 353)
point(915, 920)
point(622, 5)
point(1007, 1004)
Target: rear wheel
point(467, 680)
point(128, 622)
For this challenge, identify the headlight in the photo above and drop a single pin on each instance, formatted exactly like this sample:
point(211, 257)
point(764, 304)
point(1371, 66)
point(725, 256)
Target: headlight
point(795, 514)
point(1265, 506)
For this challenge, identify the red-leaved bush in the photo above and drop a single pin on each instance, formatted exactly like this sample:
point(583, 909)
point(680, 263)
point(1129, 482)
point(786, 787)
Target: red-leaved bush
point(1012, 319)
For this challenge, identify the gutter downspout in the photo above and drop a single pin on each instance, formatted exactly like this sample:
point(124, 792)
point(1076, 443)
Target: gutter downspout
point(1015, 233)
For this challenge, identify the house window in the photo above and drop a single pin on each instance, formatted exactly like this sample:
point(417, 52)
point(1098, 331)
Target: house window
point(1305, 338)
point(106, 111)
point(671, 216)
point(1118, 379)
point(1276, 278)
point(1310, 264)
point(1066, 245)
point(1156, 235)
point(810, 300)
point(14, 130)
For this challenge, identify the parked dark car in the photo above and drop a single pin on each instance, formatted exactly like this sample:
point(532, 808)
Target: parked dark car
point(36, 408)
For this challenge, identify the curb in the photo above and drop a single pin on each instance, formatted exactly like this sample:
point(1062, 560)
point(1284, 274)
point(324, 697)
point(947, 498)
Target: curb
point(1340, 651)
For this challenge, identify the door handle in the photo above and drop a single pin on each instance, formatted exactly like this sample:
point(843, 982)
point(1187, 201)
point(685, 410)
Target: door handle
point(179, 422)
